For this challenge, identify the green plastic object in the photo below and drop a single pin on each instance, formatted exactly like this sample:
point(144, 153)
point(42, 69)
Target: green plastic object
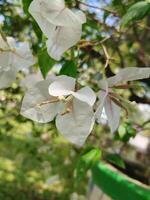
point(117, 185)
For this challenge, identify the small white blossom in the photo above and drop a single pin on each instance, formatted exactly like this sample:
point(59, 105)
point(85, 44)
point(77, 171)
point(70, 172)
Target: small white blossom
point(62, 26)
point(73, 109)
point(13, 57)
point(108, 99)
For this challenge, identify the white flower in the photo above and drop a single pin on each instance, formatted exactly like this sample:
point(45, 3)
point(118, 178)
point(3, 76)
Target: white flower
point(109, 100)
point(13, 57)
point(73, 110)
point(62, 26)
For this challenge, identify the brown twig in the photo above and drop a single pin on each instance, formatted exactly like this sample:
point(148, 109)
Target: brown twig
point(108, 58)
point(106, 55)
point(52, 100)
point(119, 103)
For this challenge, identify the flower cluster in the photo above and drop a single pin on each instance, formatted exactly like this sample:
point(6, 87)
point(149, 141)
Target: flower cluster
point(58, 98)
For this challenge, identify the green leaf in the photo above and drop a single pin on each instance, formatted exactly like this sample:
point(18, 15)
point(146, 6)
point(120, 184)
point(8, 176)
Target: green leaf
point(125, 132)
point(37, 30)
point(87, 161)
point(45, 62)
point(136, 12)
point(69, 69)
point(26, 4)
point(122, 130)
point(116, 160)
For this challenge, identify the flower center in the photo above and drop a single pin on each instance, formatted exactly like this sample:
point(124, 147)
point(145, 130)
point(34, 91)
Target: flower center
point(66, 100)
point(68, 105)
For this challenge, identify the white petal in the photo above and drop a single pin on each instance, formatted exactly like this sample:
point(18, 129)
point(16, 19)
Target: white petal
point(30, 80)
point(81, 16)
point(11, 42)
point(62, 38)
point(54, 12)
point(103, 85)
point(53, 6)
point(63, 86)
point(7, 72)
point(3, 43)
point(102, 94)
point(102, 97)
point(22, 56)
point(33, 97)
point(5, 60)
point(12, 59)
point(46, 7)
point(77, 125)
point(66, 18)
point(51, 76)
point(129, 74)
point(19, 55)
point(62, 26)
point(86, 95)
point(7, 77)
point(38, 8)
point(113, 114)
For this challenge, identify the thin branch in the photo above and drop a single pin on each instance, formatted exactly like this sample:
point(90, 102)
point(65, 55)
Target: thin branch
point(143, 26)
point(118, 103)
point(96, 7)
point(84, 43)
point(108, 58)
point(106, 55)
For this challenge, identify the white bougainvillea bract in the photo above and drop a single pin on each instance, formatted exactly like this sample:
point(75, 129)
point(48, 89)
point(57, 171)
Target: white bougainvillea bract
point(13, 58)
point(57, 98)
point(62, 27)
